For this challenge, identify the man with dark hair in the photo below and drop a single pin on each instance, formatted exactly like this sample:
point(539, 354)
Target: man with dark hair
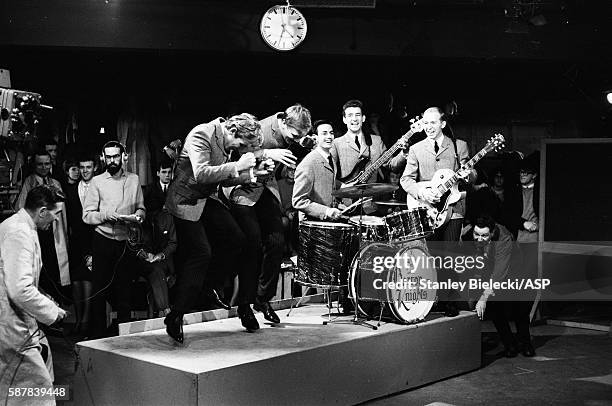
point(155, 193)
point(55, 171)
point(22, 305)
point(356, 146)
point(257, 207)
point(201, 218)
point(113, 201)
point(53, 241)
point(502, 261)
point(315, 178)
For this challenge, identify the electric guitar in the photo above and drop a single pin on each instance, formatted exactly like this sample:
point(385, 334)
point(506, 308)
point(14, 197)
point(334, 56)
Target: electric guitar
point(444, 184)
point(362, 171)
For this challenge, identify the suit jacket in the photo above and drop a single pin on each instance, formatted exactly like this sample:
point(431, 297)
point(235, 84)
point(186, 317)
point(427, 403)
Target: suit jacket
point(272, 139)
point(154, 196)
point(21, 303)
point(422, 162)
point(512, 208)
point(159, 235)
point(201, 167)
point(314, 183)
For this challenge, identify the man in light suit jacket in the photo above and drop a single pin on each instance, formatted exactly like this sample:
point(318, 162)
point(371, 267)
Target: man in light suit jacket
point(425, 158)
point(315, 178)
point(355, 145)
point(437, 151)
point(257, 208)
point(193, 199)
point(22, 305)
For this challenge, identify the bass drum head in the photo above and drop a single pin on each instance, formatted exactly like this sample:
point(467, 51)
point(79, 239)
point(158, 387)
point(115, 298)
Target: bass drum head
point(412, 300)
point(361, 290)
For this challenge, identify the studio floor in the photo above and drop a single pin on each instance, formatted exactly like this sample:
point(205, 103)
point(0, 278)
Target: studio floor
point(572, 367)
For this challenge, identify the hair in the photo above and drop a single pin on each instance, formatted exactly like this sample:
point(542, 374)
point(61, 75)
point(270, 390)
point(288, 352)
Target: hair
point(485, 220)
point(69, 163)
point(298, 117)
point(317, 123)
point(114, 144)
point(40, 152)
point(49, 141)
point(437, 110)
point(164, 163)
point(247, 127)
point(352, 103)
point(43, 196)
point(86, 158)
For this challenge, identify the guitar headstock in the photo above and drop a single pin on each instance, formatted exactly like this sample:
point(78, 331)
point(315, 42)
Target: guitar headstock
point(416, 125)
point(496, 143)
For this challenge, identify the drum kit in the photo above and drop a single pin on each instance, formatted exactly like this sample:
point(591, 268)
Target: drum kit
point(348, 255)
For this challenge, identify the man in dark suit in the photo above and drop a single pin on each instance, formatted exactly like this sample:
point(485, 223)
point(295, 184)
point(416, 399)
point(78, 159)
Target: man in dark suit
point(193, 199)
point(257, 208)
point(156, 192)
point(502, 261)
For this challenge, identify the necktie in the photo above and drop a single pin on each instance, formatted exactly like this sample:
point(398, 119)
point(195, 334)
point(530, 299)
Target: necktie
point(165, 188)
point(331, 161)
point(45, 181)
point(436, 147)
point(357, 142)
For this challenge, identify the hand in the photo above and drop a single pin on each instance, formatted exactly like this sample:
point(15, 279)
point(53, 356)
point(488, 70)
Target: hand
point(283, 156)
point(530, 226)
point(430, 195)
point(171, 280)
point(334, 214)
point(61, 315)
point(130, 218)
point(88, 261)
point(464, 173)
point(403, 144)
point(481, 306)
point(266, 166)
point(113, 216)
point(158, 257)
point(246, 161)
point(170, 152)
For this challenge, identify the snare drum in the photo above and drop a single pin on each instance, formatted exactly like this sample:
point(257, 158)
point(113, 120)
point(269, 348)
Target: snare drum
point(373, 229)
point(325, 252)
point(402, 288)
point(407, 225)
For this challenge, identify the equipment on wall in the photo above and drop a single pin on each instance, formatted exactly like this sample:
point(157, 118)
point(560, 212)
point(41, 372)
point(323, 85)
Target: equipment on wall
point(20, 113)
point(283, 28)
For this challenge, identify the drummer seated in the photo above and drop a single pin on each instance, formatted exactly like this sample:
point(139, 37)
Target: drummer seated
point(315, 178)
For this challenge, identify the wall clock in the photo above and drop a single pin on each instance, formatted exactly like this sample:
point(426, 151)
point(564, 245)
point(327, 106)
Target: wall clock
point(283, 27)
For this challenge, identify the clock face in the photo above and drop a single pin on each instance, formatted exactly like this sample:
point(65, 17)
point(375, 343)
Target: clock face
point(283, 27)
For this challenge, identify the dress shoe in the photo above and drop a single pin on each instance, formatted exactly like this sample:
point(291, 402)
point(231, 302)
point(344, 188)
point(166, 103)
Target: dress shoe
point(451, 310)
point(267, 310)
point(216, 299)
point(527, 350)
point(174, 326)
point(247, 318)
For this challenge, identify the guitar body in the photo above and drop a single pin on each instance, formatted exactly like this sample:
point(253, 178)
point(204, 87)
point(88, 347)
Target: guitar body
point(358, 169)
point(439, 213)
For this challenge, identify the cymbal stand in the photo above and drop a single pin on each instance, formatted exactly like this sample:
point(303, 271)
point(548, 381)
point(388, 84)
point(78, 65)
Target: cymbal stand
point(359, 321)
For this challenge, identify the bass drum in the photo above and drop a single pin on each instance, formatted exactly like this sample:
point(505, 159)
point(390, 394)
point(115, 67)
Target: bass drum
point(400, 284)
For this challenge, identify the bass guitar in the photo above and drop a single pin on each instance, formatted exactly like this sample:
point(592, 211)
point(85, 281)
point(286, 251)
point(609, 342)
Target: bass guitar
point(362, 171)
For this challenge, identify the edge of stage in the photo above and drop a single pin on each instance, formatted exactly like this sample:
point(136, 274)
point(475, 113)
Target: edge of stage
point(299, 361)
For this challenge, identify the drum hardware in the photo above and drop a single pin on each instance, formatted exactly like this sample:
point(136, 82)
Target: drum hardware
point(364, 190)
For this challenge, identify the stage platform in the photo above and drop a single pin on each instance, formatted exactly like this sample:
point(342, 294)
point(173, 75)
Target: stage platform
point(298, 362)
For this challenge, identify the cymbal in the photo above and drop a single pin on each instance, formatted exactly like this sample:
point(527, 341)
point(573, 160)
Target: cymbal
point(392, 202)
point(365, 189)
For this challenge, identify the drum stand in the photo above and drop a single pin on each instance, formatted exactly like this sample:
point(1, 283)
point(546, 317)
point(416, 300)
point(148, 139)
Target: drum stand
point(327, 292)
point(359, 321)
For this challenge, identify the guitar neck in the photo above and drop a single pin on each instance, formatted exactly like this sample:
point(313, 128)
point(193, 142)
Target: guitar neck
point(444, 187)
point(383, 159)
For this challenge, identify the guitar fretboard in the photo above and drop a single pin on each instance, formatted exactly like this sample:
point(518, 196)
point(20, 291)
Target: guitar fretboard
point(384, 158)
